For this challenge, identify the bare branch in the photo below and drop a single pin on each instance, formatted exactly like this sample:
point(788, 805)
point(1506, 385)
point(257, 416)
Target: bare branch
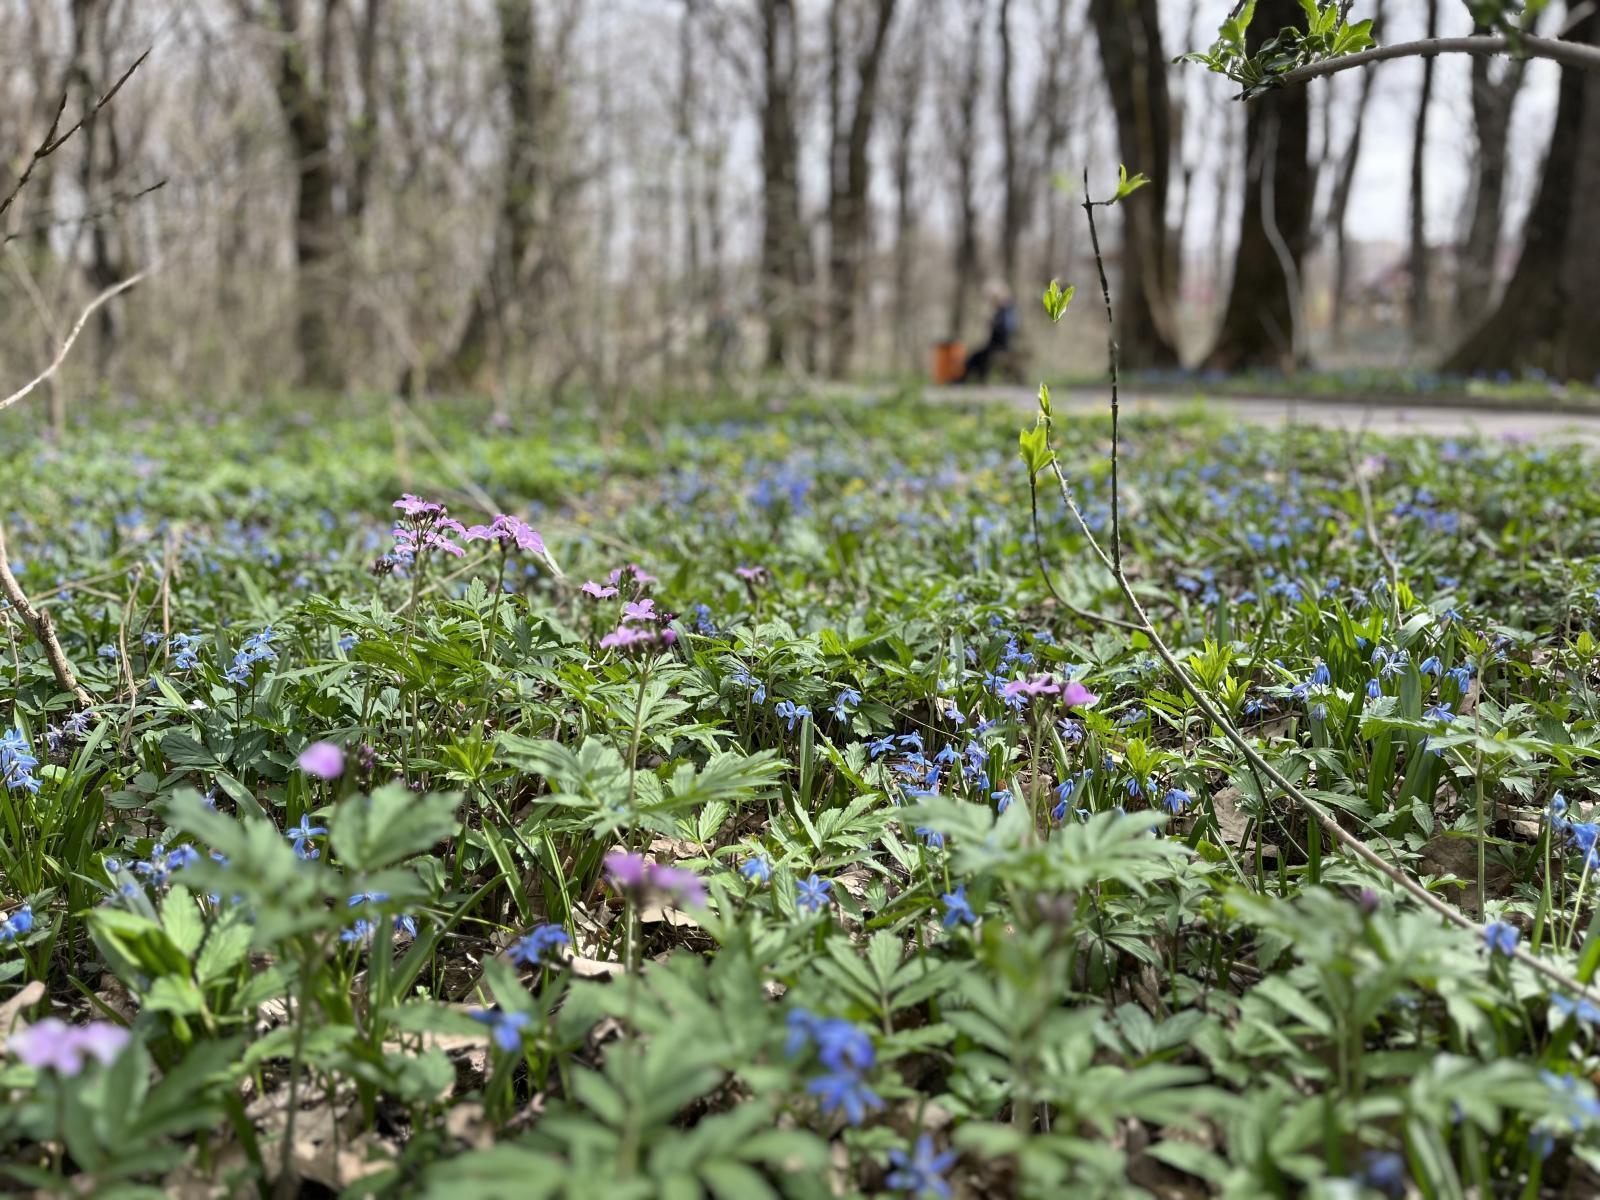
point(53, 142)
point(114, 290)
point(1568, 54)
point(39, 624)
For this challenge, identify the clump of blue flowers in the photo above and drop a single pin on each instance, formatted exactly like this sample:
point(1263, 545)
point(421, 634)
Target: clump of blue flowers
point(845, 1053)
point(17, 763)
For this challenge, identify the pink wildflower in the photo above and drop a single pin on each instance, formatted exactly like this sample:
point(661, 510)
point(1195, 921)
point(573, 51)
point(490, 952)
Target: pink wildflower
point(591, 588)
point(684, 884)
point(508, 531)
point(61, 1047)
point(1039, 685)
point(625, 869)
point(640, 610)
point(1075, 695)
point(322, 760)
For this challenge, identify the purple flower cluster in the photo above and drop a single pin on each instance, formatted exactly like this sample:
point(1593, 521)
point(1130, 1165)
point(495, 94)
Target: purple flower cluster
point(632, 872)
point(506, 532)
point(53, 1044)
point(426, 526)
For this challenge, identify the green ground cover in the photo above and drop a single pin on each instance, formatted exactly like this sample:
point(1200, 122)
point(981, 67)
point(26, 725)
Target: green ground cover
point(765, 826)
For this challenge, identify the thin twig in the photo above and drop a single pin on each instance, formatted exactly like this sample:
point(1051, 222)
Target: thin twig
point(1317, 811)
point(52, 142)
point(39, 623)
point(1112, 354)
point(1044, 571)
point(111, 292)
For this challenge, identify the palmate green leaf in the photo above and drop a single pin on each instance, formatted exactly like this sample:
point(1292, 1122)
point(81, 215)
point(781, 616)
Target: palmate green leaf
point(390, 826)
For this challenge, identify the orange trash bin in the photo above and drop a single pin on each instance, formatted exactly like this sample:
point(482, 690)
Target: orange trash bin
point(949, 362)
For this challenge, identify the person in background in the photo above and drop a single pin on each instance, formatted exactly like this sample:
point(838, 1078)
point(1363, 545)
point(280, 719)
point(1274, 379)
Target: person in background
point(1002, 336)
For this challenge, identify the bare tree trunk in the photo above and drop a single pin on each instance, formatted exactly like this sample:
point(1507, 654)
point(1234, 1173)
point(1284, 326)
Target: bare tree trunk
point(98, 166)
point(907, 95)
point(849, 213)
point(1418, 265)
point(783, 250)
point(364, 138)
point(501, 285)
point(1492, 101)
point(962, 122)
point(1010, 169)
point(1339, 203)
point(1546, 317)
point(304, 103)
point(1135, 68)
point(1257, 325)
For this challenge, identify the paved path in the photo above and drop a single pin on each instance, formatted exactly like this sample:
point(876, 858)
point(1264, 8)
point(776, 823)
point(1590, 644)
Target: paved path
point(1384, 415)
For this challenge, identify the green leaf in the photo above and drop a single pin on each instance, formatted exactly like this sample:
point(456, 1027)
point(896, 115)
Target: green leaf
point(1035, 447)
point(393, 824)
point(1055, 304)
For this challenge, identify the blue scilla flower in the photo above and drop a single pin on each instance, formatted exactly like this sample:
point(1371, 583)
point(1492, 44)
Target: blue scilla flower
point(791, 712)
point(881, 746)
point(1384, 1171)
point(921, 1173)
point(931, 837)
point(757, 868)
point(1002, 799)
point(844, 702)
point(1582, 1010)
point(1431, 666)
point(1176, 800)
point(16, 924)
point(541, 943)
point(1462, 677)
point(1501, 938)
point(504, 1027)
point(301, 836)
point(1319, 711)
point(358, 934)
point(845, 1091)
point(17, 763)
point(812, 894)
point(957, 911)
point(758, 690)
point(1583, 1108)
point(1374, 689)
point(1438, 712)
point(366, 898)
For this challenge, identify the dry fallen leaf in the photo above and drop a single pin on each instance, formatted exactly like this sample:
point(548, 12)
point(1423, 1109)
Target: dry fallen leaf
point(26, 998)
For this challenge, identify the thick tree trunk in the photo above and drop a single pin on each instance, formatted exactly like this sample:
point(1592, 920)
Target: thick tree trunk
point(1339, 205)
point(304, 103)
point(364, 136)
point(1492, 101)
point(1135, 69)
point(907, 94)
point(1258, 323)
point(1546, 318)
point(98, 165)
point(962, 137)
point(849, 214)
point(1418, 262)
point(501, 286)
point(783, 250)
point(1011, 203)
